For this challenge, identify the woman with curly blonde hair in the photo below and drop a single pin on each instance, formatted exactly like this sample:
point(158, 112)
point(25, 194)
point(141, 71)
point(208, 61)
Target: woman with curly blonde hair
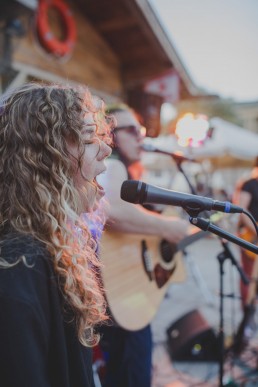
point(54, 140)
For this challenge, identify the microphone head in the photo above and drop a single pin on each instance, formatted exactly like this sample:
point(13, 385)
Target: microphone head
point(133, 191)
point(177, 156)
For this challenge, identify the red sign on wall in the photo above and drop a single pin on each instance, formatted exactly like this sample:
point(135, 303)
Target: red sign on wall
point(167, 85)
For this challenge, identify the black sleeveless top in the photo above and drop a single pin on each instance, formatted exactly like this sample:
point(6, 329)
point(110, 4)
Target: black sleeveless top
point(251, 186)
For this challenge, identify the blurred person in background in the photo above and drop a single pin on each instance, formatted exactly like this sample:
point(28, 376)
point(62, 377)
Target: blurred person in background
point(246, 196)
point(53, 145)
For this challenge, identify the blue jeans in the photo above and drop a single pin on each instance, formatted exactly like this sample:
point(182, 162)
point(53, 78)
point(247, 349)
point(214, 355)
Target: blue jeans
point(128, 357)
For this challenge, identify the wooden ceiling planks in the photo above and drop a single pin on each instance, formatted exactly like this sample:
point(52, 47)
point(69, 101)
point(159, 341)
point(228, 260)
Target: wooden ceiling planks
point(128, 33)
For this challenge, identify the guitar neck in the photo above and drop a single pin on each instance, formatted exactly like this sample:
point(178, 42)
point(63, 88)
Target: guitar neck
point(195, 235)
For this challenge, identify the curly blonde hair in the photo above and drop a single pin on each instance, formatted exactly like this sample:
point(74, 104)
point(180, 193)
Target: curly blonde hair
point(37, 193)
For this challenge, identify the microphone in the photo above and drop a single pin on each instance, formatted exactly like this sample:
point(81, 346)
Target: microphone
point(176, 157)
point(134, 191)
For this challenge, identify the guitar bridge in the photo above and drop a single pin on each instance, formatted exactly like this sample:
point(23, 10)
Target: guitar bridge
point(147, 260)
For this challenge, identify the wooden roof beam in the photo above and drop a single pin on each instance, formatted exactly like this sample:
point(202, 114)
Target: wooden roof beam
point(135, 75)
point(115, 25)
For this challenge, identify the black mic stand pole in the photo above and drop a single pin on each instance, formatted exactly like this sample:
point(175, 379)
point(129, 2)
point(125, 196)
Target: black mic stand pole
point(226, 249)
point(195, 270)
point(230, 237)
point(179, 167)
point(207, 226)
point(222, 257)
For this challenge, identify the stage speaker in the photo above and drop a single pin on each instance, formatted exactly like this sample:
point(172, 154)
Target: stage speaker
point(190, 338)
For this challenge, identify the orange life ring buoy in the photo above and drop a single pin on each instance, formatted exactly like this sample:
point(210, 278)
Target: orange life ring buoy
point(50, 42)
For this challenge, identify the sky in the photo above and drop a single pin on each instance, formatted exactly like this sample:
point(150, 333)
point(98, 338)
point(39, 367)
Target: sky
point(217, 41)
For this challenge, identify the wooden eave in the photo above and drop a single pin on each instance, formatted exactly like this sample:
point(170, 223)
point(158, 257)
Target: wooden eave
point(132, 30)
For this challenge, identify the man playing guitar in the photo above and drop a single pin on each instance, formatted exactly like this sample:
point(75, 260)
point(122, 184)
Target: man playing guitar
point(129, 352)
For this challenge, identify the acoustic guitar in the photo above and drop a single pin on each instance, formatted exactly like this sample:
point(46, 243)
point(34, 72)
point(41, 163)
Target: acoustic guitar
point(137, 270)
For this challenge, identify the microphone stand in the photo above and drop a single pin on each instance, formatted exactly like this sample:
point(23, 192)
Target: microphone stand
point(206, 225)
point(200, 281)
point(225, 254)
point(179, 167)
point(216, 230)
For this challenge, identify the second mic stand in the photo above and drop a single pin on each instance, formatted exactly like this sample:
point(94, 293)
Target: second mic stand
point(226, 249)
point(226, 254)
point(222, 257)
point(195, 271)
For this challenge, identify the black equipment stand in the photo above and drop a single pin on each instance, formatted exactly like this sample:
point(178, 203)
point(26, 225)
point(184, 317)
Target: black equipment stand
point(195, 270)
point(205, 225)
point(222, 257)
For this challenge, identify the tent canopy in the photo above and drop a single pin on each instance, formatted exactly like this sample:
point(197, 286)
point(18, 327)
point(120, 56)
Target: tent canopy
point(230, 145)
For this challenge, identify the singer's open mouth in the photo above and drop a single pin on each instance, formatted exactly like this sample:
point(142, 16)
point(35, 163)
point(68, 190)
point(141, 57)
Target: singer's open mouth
point(100, 188)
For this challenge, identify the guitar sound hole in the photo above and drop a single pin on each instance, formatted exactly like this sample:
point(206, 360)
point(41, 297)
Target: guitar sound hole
point(167, 251)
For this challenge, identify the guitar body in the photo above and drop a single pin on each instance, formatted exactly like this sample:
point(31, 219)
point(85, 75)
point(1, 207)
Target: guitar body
point(137, 272)
point(249, 236)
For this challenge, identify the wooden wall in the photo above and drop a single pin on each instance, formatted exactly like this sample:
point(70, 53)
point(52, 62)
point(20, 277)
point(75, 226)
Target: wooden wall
point(92, 61)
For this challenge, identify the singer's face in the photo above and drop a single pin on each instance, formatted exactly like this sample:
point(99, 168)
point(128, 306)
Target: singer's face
point(129, 136)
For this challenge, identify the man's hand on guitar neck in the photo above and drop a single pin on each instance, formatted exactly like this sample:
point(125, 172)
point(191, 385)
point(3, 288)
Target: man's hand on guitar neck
point(173, 229)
